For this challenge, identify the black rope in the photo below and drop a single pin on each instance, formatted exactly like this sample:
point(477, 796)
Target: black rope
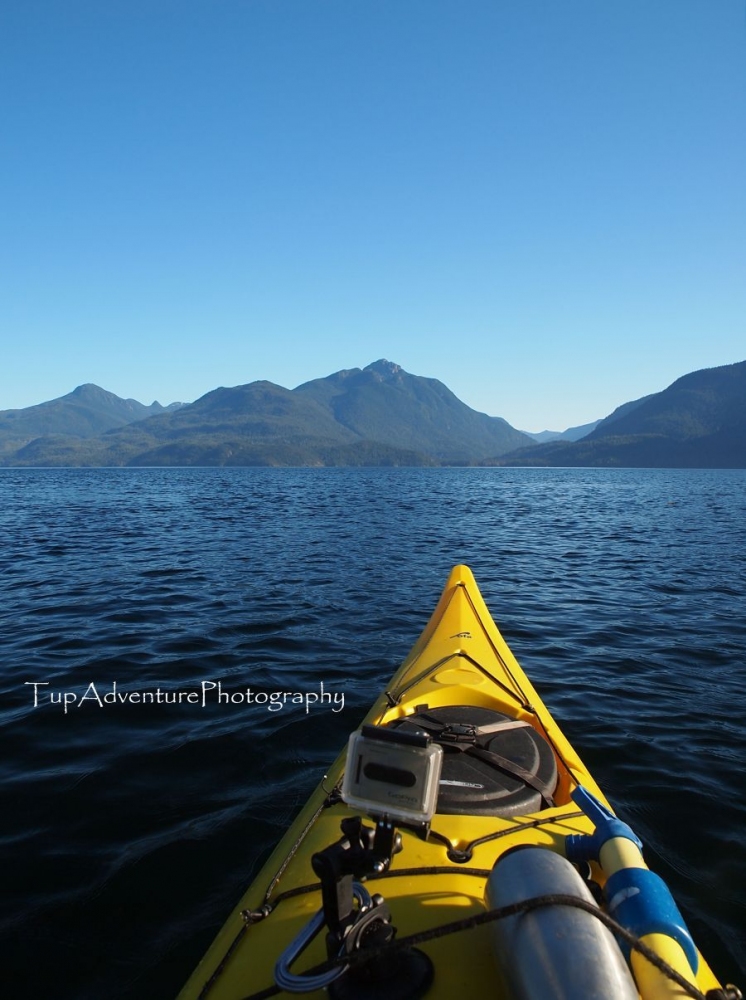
point(458, 856)
point(516, 693)
point(294, 849)
point(252, 916)
point(526, 704)
point(526, 906)
point(362, 957)
point(222, 964)
point(394, 697)
point(465, 854)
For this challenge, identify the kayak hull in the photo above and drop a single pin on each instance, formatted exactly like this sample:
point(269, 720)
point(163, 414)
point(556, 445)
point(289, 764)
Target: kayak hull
point(461, 659)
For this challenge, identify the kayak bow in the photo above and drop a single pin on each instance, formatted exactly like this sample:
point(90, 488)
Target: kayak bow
point(514, 803)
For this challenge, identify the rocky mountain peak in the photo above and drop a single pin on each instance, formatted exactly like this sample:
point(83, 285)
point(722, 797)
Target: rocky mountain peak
point(385, 369)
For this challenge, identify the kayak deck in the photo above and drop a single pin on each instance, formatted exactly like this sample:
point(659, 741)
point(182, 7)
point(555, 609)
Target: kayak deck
point(461, 659)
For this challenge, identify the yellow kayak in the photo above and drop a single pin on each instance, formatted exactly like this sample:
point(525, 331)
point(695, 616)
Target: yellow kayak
point(502, 869)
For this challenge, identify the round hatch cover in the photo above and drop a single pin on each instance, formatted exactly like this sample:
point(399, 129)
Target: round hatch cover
point(471, 786)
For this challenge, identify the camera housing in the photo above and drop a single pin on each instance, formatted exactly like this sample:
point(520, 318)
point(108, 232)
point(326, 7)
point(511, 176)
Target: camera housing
point(392, 773)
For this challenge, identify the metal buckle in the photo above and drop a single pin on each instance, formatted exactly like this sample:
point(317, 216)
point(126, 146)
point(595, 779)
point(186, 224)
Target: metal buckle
point(458, 732)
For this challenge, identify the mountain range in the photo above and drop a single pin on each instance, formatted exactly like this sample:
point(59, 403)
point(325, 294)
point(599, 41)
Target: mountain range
point(699, 421)
point(84, 412)
point(571, 434)
point(378, 415)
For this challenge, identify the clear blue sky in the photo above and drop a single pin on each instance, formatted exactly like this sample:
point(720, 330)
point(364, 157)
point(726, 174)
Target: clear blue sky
point(539, 202)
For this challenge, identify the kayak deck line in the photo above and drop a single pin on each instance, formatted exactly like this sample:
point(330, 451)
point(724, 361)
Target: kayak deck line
point(395, 698)
point(418, 651)
point(465, 852)
point(373, 954)
point(460, 686)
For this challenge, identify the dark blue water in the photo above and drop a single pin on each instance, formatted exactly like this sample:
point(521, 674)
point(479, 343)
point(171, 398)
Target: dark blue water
point(129, 830)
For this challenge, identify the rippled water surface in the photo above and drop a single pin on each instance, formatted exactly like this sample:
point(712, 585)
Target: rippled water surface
point(129, 830)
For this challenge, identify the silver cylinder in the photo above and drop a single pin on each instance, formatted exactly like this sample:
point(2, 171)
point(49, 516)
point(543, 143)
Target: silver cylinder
point(553, 952)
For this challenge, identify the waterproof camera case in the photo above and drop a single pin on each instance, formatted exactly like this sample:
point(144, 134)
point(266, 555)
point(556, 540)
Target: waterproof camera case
point(394, 774)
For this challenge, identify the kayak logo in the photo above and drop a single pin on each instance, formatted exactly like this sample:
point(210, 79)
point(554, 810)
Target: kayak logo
point(461, 635)
point(461, 784)
point(402, 797)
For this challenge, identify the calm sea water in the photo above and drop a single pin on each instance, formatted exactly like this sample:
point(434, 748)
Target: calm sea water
point(129, 830)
